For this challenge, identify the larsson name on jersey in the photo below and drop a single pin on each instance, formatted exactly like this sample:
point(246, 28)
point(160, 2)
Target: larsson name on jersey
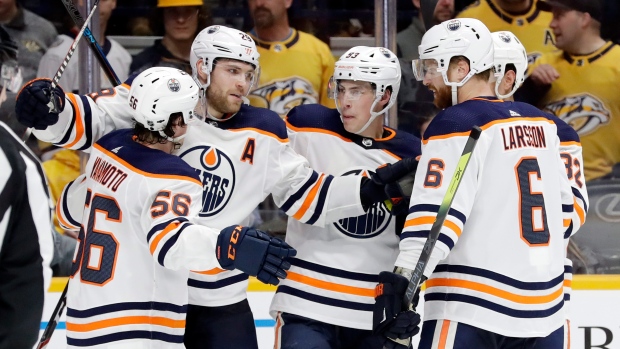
point(217, 174)
point(107, 174)
point(522, 136)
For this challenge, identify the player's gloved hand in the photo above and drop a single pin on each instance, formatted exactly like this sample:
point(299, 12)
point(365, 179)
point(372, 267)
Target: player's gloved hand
point(254, 252)
point(374, 189)
point(32, 105)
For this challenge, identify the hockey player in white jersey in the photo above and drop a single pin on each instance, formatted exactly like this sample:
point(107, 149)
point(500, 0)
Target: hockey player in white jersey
point(240, 153)
point(496, 274)
point(510, 64)
point(135, 212)
point(327, 299)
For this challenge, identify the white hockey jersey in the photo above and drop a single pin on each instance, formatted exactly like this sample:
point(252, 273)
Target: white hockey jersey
point(239, 161)
point(115, 53)
point(137, 244)
point(571, 153)
point(499, 261)
point(333, 277)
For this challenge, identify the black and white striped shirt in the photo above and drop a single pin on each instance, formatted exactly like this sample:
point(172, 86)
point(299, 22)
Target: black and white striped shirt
point(26, 244)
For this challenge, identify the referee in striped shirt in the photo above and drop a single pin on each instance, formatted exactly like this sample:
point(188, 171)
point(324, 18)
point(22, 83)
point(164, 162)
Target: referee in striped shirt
point(26, 245)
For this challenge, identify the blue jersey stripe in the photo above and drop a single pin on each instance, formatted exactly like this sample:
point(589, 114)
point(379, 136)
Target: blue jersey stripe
point(530, 286)
point(119, 336)
point(110, 308)
point(333, 271)
point(212, 285)
point(435, 208)
point(524, 314)
point(578, 194)
point(66, 209)
point(161, 226)
point(445, 239)
point(325, 300)
point(321, 200)
point(88, 121)
point(168, 245)
point(295, 197)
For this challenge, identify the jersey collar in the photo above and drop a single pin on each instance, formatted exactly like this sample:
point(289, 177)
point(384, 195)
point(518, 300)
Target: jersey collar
point(580, 60)
point(277, 45)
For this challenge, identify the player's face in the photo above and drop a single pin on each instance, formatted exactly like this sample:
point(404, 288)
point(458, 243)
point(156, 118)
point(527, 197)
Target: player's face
point(433, 79)
point(230, 81)
point(565, 27)
point(354, 99)
point(444, 11)
point(181, 22)
point(266, 13)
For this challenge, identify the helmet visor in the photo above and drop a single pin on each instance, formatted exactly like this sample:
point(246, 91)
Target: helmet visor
point(425, 68)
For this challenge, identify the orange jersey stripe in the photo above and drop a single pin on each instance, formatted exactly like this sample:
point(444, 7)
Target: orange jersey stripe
point(79, 126)
point(580, 212)
point(160, 236)
point(213, 271)
point(476, 286)
point(484, 127)
point(568, 283)
point(331, 286)
point(443, 337)
point(430, 220)
point(570, 143)
point(567, 222)
point(147, 174)
point(263, 132)
point(304, 207)
point(127, 320)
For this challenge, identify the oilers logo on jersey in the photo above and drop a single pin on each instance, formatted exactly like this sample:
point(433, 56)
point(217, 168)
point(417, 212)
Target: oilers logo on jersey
point(584, 112)
point(281, 96)
point(217, 174)
point(368, 225)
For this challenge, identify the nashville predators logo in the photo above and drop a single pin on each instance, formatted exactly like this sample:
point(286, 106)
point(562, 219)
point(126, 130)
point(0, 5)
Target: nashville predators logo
point(281, 96)
point(584, 113)
point(368, 225)
point(217, 174)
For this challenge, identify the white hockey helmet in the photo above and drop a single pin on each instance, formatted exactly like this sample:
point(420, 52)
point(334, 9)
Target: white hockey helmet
point(508, 50)
point(376, 65)
point(467, 37)
point(219, 41)
point(159, 92)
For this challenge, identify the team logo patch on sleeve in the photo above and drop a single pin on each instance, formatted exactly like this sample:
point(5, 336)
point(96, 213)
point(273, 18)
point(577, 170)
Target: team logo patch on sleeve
point(217, 174)
point(368, 225)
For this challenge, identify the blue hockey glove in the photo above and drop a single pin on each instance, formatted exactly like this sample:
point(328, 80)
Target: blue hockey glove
point(374, 189)
point(32, 107)
point(254, 252)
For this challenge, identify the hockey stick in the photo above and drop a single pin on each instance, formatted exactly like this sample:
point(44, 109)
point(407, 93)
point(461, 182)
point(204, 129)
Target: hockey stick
point(53, 103)
point(51, 325)
point(427, 7)
point(101, 57)
point(415, 276)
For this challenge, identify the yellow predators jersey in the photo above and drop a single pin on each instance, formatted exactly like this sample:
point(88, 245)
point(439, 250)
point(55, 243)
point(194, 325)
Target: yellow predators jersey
point(293, 72)
point(531, 27)
point(586, 97)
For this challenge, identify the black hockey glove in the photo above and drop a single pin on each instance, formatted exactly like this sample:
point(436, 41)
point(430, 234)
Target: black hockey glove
point(32, 105)
point(382, 184)
point(390, 318)
point(254, 252)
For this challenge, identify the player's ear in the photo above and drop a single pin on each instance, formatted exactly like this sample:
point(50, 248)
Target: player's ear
point(509, 80)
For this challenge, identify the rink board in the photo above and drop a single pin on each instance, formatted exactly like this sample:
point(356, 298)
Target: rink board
point(595, 305)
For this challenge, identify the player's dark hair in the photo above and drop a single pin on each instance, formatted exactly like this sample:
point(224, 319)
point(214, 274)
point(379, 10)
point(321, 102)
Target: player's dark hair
point(144, 135)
